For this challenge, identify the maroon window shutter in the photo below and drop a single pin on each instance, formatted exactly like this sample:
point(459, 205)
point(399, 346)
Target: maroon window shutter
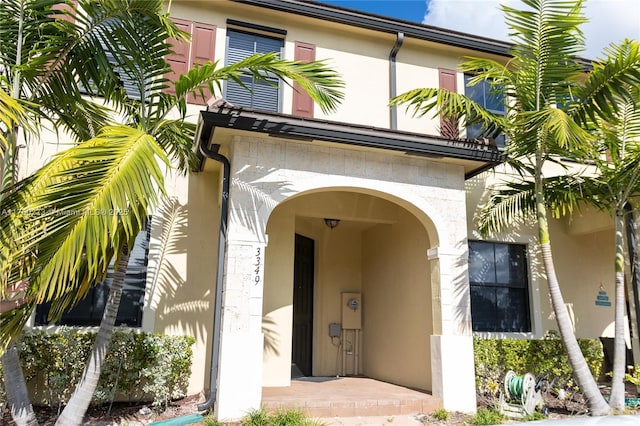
point(65, 7)
point(302, 102)
point(179, 59)
point(202, 50)
point(448, 126)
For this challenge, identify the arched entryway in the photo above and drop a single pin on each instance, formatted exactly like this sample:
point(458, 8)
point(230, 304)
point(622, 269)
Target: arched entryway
point(378, 251)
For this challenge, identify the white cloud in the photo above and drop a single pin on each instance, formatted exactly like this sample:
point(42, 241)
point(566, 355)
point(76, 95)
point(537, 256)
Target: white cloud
point(609, 20)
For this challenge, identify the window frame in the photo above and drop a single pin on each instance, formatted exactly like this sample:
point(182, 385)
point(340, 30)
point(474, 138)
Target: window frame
point(259, 32)
point(529, 310)
point(93, 317)
point(500, 141)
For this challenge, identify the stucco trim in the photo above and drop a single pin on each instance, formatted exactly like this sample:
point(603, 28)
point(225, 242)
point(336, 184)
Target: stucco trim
point(305, 129)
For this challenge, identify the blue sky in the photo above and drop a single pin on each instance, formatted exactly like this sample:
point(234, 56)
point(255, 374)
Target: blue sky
point(609, 20)
point(409, 10)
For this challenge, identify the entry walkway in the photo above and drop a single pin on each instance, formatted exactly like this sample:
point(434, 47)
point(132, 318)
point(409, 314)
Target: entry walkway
point(348, 397)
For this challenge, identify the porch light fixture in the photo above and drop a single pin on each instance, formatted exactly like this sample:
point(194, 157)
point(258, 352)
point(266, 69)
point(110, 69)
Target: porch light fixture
point(331, 223)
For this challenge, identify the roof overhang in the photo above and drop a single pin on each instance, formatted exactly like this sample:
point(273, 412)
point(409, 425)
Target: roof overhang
point(383, 24)
point(474, 156)
point(371, 21)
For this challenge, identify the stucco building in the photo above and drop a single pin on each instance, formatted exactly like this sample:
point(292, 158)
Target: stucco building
point(362, 218)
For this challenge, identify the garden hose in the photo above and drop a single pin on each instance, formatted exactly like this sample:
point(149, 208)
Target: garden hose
point(515, 387)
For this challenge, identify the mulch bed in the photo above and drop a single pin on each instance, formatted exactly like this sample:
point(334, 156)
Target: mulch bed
point(140, 414)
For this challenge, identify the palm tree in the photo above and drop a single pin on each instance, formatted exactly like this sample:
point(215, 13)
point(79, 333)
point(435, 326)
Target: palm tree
point(548, 102)
point(42, 60)
point(119, 166)
point(613, 187)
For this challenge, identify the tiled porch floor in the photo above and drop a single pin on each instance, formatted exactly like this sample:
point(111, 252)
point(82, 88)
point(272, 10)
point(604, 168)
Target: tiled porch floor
point(348, 397)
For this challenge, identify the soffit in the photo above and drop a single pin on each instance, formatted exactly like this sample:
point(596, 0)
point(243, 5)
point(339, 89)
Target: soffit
point(220, 125)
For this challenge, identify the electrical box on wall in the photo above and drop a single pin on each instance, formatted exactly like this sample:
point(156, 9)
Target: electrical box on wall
point(351, 311)
point(335, 329)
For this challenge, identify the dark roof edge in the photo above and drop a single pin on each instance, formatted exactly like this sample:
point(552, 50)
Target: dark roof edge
point(290, 127)
point(389, 25)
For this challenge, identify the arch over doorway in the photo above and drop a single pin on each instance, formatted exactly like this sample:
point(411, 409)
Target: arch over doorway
point(378, 250)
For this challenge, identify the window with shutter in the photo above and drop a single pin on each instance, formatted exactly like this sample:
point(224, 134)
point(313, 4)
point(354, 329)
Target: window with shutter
point(263, 95)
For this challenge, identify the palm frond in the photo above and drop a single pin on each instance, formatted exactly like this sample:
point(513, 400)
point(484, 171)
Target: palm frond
point(80, 205)
point(505, 206)
point(316, 78)
point(611, 79)
point(514, 202)
point(450, 104)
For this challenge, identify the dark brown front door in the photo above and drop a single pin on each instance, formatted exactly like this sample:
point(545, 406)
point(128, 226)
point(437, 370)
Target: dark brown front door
point(303, 304)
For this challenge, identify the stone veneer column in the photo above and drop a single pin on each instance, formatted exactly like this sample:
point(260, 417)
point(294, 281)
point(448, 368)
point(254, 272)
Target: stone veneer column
point(241, 340)
point(452, 367)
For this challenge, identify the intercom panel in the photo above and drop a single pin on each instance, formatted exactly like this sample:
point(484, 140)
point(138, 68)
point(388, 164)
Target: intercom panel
point(351, 311)
point(335, 329)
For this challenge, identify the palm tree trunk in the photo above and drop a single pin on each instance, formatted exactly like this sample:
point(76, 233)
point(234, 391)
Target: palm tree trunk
point(616, 399)
point(16, 389)
point(76, 408)
point(595, 401)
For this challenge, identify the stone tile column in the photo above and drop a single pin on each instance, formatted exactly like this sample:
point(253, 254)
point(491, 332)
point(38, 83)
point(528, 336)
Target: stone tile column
point(452, 366)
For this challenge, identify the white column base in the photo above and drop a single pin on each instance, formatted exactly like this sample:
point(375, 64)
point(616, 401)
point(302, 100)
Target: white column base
point(240, 375)
point(453, 372)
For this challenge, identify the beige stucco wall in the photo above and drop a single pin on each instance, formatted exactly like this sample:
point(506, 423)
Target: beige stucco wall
point(182, 268)
point(583, 250)
point(360, 56)
point(397, 294)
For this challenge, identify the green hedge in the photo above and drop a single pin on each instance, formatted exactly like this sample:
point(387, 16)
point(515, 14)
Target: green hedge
point(138, 366)
point(546, 357)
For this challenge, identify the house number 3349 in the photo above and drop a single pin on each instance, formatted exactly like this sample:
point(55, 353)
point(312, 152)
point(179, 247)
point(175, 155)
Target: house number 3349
point(256, 277)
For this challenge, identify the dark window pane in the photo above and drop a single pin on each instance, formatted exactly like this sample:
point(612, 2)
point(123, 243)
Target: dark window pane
point(482, 267)
point(483, 308)
point(490, 97)
point(512, 310)
point(89, 310)
point(499, 288)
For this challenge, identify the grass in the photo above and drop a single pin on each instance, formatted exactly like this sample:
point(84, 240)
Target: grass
point(487, 416)
point(262, 418)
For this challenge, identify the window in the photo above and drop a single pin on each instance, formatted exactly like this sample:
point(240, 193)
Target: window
point(487, 96)
point(88, 311)
point(499, 287)
point(263, 95)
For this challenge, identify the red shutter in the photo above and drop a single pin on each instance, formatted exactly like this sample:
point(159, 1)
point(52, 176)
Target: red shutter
point(179, 59)
point(448, 126)
point(203, 43)
point(302, 102)
point(65, 7)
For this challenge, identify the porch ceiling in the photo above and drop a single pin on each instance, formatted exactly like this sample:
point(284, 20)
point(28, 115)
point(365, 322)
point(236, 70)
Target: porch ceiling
point(473, 156)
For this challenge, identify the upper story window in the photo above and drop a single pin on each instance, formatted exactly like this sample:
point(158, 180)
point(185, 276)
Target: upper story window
point(499, 287)
point(487, 96)
point(263, 95)
point(88, 312)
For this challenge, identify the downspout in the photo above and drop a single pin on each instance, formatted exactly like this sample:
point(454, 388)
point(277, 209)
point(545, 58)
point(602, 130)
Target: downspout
point(213, 154)
point(634, 263)
point(393, 111)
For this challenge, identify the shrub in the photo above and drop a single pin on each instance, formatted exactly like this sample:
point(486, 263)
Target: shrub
point(280, 418)
point(441, 414)
point(546, 357)
point(487, 416)
point(155, 364)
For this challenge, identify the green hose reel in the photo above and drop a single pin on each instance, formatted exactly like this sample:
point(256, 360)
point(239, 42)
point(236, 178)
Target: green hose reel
point(520, 397)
